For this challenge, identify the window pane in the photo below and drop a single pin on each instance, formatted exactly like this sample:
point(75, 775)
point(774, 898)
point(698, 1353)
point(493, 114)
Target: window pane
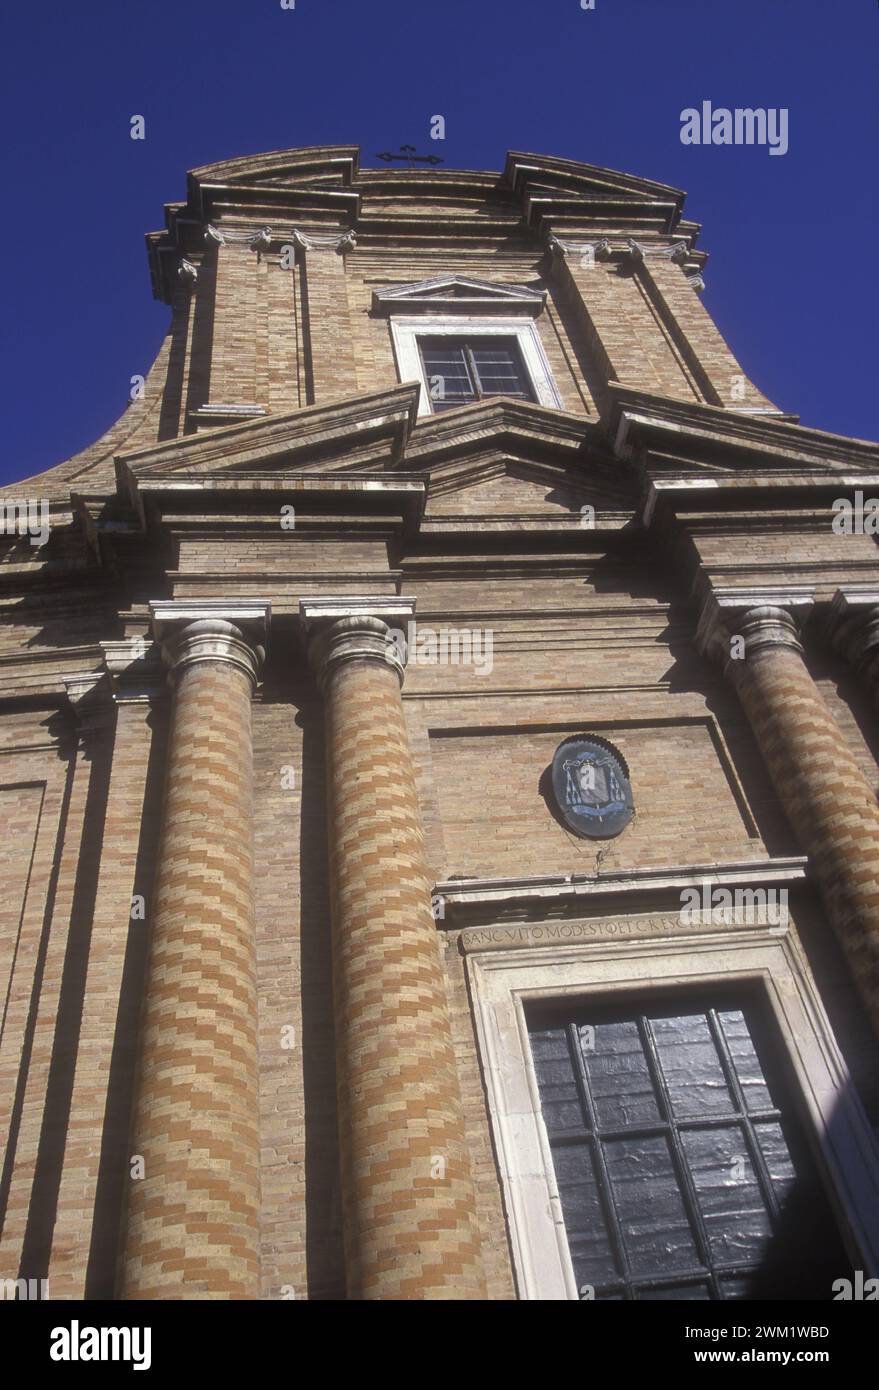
point(448, 378)
point(729, 1196)
point(464, 369)
point(559, 1098)
point(622, 1090)
point(499, 368)
point(585, 1224)
point(691, 1066)
point(745, 1060)
point(777, 1157)
point(657, 1233)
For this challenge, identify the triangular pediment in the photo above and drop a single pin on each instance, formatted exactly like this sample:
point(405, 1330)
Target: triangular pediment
point(456, 292)
point(505, 488)
point(497, 462)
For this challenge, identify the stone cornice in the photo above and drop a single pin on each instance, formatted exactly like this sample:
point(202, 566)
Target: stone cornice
point(264, 505)
point(322, 192)
point(637, 421)
point(555, 895)
point(375, 426)
point(709, 491)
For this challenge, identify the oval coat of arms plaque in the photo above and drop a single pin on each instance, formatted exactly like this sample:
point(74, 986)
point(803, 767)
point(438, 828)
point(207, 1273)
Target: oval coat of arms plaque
point(590, 781)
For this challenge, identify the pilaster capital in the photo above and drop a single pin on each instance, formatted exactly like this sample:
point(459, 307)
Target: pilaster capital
point(322, 241)
point(354, 628)
point(231, 631)
point(738, 623)
point(135, 673)
point(260, 240)
point(600, 250)
point(677, 251)
point(88, 694)
point(853, 624)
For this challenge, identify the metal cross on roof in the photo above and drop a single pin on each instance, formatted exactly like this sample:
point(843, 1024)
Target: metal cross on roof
point(407, 152)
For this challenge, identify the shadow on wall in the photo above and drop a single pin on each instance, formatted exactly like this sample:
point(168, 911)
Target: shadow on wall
point(324, 1253)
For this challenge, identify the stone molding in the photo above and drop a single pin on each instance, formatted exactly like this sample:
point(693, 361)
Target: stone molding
point(552, 897)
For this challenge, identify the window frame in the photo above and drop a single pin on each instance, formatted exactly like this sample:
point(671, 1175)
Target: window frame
point(405, 332)
point(503, 982)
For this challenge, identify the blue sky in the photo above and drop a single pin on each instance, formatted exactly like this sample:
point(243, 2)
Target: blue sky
point(792, 277)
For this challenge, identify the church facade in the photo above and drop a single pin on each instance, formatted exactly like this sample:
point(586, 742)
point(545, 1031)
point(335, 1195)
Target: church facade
point(438, 759)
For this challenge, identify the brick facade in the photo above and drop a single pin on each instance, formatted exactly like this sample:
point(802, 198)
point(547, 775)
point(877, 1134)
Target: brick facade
point(291, 1035)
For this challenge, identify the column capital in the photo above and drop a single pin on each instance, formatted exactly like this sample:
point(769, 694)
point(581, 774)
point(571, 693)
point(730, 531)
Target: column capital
point(355, 628)
point(233, 631)
point(761, 618)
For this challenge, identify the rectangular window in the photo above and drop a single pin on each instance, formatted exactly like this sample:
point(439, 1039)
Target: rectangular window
point(462, 370)
point(679, 1159)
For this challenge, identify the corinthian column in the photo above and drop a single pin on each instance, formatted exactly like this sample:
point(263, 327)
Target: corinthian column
point(408, 1198)
point(827, 798)
point(194, 1193)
